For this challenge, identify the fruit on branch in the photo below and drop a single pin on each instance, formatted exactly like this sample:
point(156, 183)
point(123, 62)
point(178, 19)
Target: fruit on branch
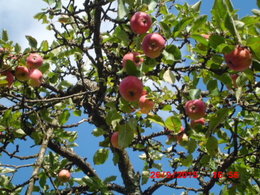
point(64, 19)
point(195, 109)
point(239, 59)
point(234, 78)
point(35, 77)
point(131, 88)
point(64, 175)
point(140, 22)
point(22, 73)
point(114, 140)
point(9, 78)
point(206, 36)
point(134, 57)
point(153, 45)
point(195, 123)
point(180, 137)
point(34, 60)
point(145, 104)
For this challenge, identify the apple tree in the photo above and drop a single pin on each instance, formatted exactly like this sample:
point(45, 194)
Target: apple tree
point(171, 87)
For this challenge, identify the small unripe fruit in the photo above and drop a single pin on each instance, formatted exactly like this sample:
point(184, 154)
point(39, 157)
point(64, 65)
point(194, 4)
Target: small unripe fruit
point(140, 22)
point(131, 88)
point(195, 109)
point(134, 57)
point(35, 78)
point(114, 140)
point(22, 73)
point(9, 79)
point(195, 123)
point(145, 104)
point(64, 175)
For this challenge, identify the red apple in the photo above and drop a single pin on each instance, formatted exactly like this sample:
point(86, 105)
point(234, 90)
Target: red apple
point(145, 104)
point(134, 57)
point(195, 123)
point(35, 78)
point(239, 59)
point(140, 22)
point(114, 140)
point(64, 175)
point(34, 60)
point(195, 109)
point(153, 45)
point(9, 79)
point(131, 88)
point(22, 73)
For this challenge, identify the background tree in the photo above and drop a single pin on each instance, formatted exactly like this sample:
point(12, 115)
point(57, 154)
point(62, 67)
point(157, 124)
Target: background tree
point(80, 74)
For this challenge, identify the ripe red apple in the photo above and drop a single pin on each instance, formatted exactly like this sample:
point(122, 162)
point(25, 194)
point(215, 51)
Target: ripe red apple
point(195, 123)
point(114, 140)
point(131, 88)
point(35, 78)
point(195, 109)
point(140, 22)
point(22, 73)
point(9, 79)
point(145, 104)
point(239, 59)
point(64, 175)
point(134, 57)
point(153, 45)
point(34, 60)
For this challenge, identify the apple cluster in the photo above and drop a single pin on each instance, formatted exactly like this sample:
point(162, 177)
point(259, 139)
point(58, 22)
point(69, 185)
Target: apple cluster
point(29, 73)
point(131, 87)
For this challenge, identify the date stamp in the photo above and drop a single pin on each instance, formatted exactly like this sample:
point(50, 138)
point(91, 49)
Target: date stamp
point(193, 174)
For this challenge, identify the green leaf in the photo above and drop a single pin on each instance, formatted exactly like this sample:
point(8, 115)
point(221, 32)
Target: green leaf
point(187, 161)
point(196, 6)
point(169, 77)
point(156, 119)
point(219, 10)
point(220, 116)
point(122, 10)
point(191, 146)
point(110, 179)
point(98, 132)
point(215, 40)
point(173, 123)
point(195, 94)
point(7, 170)
point(5, 35)
point(77, 113)
point(19, 132)
point(32, 41)
point(253, 43)
point(131, 68)
point(171, 54)
point(239, 93)
point(181, 25)
point(230, 25)
point(101, 156)
point(64, 117)
point(44, 45)
point(258, 3)
point(212, 146)
point(199, 21)
point(126, 135)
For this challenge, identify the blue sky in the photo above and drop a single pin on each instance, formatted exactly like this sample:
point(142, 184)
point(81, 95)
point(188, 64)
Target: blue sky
point(17, 17)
